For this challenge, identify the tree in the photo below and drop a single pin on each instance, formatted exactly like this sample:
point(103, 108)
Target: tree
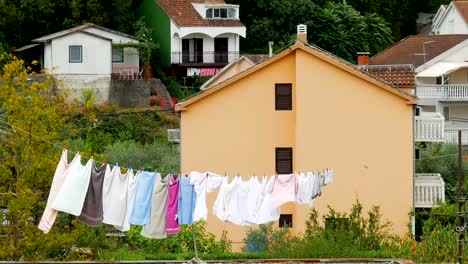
point(31, 119)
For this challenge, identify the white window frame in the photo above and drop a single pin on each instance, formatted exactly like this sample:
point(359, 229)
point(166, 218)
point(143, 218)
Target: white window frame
point(114, 49)
point(218, 9)
point(70, 54)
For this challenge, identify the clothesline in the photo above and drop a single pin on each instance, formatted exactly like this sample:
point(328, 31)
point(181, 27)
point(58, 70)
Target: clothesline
point(73, 152)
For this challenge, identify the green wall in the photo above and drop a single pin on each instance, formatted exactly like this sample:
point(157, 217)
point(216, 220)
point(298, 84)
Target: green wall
point(159, 22)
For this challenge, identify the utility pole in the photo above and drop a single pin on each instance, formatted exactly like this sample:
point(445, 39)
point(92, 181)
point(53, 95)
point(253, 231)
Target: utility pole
point(460, 199)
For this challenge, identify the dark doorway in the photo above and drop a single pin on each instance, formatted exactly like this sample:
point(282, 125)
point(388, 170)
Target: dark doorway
point(192, 50)
point(221, 50)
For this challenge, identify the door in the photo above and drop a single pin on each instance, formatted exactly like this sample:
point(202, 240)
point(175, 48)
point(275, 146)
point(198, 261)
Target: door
point(192, 50)
point(221, 50)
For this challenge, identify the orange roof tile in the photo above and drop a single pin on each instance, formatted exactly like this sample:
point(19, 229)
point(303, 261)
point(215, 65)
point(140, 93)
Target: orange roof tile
point(184, 14)
point(410, 49)
point(400, 78)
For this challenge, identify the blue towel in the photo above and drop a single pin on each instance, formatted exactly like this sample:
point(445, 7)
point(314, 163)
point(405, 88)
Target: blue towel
point(141, 211)
point(186, 201)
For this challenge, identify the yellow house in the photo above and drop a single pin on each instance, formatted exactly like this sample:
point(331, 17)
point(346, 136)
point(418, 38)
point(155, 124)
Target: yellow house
point(323, 110)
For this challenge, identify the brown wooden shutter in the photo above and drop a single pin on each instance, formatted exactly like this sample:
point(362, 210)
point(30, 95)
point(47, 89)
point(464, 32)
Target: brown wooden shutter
point(284, 160)
point(283, 96)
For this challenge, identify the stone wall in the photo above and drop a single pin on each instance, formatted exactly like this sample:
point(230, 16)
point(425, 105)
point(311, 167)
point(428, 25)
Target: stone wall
point(131, 93)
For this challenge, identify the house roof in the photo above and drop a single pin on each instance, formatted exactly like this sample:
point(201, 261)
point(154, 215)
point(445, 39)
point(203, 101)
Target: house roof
point(313, 50)
point(462, 7)
point(403, 78)
point(256, 58)
point(410, 49)
point(184, 14)
point(81, 28)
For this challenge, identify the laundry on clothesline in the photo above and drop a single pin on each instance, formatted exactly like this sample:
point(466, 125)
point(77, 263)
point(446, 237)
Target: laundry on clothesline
point(105, 195)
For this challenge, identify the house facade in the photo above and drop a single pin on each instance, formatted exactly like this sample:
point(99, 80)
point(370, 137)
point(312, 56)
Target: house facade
point(451, 19)
point(86, 57)
point(337, 117)
point(440, 64)
point(194, 34)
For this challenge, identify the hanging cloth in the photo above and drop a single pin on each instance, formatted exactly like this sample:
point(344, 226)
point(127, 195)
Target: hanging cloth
point(71, 196)
point(254, 199)
point(115, 196)
point(92, 211)
point(186, 203)
point(157, 226)
point(267, 212)
point(220, 205)
point(236, 203)
point(131, 192)
point(305, 188)
point(172, 225)
point(203, 184)
point(283, 189)
point(141, 210)
point(49, 215)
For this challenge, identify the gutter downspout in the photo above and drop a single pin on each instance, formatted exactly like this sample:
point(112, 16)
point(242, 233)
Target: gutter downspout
point(413, 218)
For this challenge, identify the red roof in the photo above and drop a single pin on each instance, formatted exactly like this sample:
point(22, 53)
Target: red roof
point(184, 14)
point(410, 49)
point(401, 78)
point(462, 7)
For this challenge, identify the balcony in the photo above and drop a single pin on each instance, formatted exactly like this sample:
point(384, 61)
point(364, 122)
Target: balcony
point(429, 190)
point(173, 135)
point(429, 127)
point(131, 73)
point(208, 58)
point(447, 92)
point(451, 135)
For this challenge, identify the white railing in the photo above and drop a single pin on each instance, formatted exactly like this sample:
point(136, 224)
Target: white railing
point(429, 127)
point(429, 190)
point(451, 135)
point(450, 92)
point(173, 135)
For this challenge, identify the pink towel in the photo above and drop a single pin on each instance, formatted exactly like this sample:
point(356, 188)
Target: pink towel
point(49, 215)
point(172, 224)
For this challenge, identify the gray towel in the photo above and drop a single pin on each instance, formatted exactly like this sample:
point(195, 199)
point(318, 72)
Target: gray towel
point(157, 226)
point(91, 214)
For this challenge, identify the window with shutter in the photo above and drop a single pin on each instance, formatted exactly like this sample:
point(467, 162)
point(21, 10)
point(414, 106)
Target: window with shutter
point(284, 163)
point(283, 96)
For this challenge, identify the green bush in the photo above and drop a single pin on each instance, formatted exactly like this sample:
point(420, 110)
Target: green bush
point(158, 156)
point(180, 243)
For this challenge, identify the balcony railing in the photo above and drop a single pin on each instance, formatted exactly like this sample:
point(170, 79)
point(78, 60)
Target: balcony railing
point(447, 92)
point(131, 73)
point(173, 135)
point(217, 57)
point(429, 189)
point(451, 135)
point(429, 127)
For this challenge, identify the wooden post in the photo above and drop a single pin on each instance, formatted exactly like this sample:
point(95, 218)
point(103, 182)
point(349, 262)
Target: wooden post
point(460, 199)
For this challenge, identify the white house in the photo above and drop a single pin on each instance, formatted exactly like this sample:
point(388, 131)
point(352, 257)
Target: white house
point(195, 34)
point(86, 57)
point(451, 19)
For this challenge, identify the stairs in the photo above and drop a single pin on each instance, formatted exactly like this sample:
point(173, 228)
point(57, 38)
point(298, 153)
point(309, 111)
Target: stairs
point(165, 98)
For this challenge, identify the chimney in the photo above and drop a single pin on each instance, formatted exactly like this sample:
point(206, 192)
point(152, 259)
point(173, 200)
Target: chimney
point(302, 33)
point(270, 48)
point(363, 58)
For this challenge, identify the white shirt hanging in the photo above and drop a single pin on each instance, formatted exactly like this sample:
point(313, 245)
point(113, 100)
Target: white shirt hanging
point(71, 196)
point(114, 197)
point(267, 211)
point(203, 183)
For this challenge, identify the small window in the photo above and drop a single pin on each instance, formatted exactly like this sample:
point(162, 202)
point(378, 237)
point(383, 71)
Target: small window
point(418, 111)
point(439, 80)
point(75, 54)
point(416, 154)
point(216, 13)
point(283, 96)
point(223, 13)
point(284, 162)
point(446, 113)
point(286, 221)
point(118, 54)
point(209, 13)
point(232, 13)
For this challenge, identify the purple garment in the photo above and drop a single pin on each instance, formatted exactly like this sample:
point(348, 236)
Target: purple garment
point(172, 224)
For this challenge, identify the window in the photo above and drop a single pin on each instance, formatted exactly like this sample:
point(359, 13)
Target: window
point(75, 54)
point(283, 96)
point(118, 54)
point(285, 221)
point(284, 162)
point(416, 154)
point(446, 113)
point(217, 13)
point(417, 111)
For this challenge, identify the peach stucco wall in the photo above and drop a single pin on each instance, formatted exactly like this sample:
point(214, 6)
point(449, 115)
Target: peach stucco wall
point(338, 121)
